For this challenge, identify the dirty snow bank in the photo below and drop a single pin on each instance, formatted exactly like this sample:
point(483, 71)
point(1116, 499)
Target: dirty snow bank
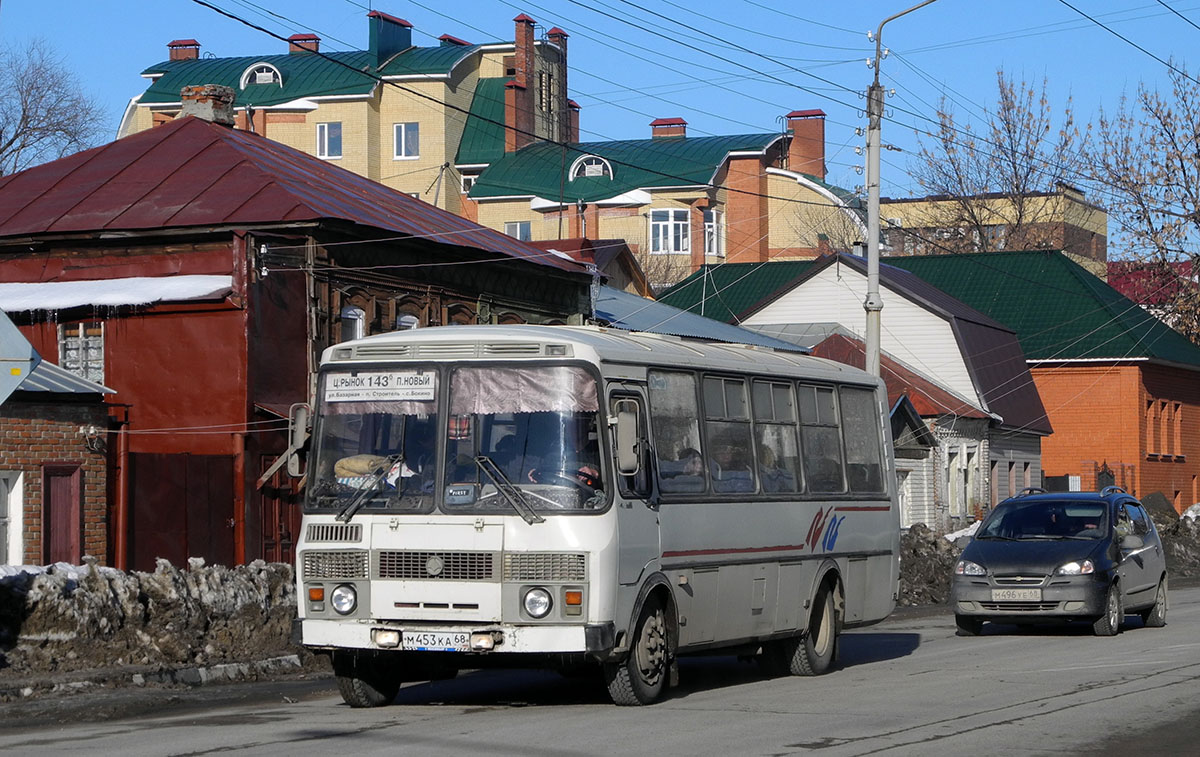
point(66, 617)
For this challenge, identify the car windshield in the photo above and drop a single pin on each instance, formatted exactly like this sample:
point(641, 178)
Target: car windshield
point(1045, 519)
point(534, 428)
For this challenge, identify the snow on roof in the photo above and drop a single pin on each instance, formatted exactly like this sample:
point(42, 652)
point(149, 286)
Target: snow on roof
point(138, 290)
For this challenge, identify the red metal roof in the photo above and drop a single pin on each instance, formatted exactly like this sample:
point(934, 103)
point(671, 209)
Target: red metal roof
point(811, 113)
point(191, 172)
point(388, 17)
point(668, 122)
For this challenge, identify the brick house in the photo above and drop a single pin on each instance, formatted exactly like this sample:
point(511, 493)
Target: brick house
point(199, 270)
point(1121, 388)
point(53, 459)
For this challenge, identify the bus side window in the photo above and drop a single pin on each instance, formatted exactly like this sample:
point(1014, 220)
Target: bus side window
point(860, 424)
point(775, 437)
point(675, 425)
point(727, 428)
point(821, 439)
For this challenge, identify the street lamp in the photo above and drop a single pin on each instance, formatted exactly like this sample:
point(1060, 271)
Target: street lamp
point(873, 303)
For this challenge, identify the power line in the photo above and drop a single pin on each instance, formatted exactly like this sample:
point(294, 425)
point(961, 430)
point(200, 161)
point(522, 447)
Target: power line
point(1130, 42)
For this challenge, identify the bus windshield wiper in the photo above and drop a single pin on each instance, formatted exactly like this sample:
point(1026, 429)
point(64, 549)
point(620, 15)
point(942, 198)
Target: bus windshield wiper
point(514, 496)
point(360, 499)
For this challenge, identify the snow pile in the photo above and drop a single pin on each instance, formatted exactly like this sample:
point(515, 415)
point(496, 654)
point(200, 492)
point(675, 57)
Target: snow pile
point(926, 562)
point(66, 617)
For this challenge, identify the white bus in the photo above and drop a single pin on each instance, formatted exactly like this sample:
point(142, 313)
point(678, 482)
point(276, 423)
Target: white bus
point(565, 496)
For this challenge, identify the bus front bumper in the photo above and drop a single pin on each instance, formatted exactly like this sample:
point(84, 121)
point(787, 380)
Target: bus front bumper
point(596, 639)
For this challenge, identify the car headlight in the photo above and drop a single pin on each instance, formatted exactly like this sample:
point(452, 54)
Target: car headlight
point(344, 599)
point(538, 603)
point(968, 568)
point(1074, 568)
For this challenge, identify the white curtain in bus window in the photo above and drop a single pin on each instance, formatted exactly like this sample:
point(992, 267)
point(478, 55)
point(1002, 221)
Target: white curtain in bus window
point(820, 439)
point(860, 421)
point(727, 424)
point(675, 425)
point(490, 390)
point(775, 437)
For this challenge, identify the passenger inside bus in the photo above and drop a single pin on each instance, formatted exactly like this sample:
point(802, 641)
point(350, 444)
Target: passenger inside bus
point(685, 474)
point(731, 472)
point(775, 478)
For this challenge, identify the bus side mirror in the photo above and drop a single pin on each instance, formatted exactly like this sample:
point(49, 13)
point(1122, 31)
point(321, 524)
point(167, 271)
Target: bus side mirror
point(298, 420)
point(628, 459)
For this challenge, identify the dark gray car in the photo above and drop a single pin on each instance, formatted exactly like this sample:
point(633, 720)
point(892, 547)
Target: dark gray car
point(1039, 557)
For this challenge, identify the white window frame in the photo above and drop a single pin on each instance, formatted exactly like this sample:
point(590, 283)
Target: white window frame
point(253, 73)
point(664, 232)
point(354, 322)
point(401, 149)
point(581, 166)
point(12, 516)
point(467, 181)
point(714, 233)
point(82, 366)
point(323, 140)
point(518, 227)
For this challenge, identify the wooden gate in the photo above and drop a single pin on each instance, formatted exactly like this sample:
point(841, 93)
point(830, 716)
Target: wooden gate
point(279, 505)
point(182, 506)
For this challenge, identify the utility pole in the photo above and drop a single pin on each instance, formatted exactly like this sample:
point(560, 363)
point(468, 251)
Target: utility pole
point(874, 303)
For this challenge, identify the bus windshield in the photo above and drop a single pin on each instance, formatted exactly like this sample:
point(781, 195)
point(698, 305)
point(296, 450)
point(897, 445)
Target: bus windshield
point(532, 427)
point(377, 440)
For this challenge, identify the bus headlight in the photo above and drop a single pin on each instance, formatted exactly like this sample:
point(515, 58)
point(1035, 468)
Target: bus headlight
point(344, 599)
point(537, 603)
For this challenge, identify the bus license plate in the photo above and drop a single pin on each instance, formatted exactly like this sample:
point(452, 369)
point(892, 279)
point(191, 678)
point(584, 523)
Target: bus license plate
point(1016, 595)
point(436, 641)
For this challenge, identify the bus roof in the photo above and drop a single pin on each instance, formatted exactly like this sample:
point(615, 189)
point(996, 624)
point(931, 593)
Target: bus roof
point(591, 343)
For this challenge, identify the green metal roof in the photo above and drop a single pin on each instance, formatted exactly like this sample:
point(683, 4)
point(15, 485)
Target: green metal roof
point(483, 136)
point(723, 291)
point(1058, 310)
point(304, 74)
point(541, 168)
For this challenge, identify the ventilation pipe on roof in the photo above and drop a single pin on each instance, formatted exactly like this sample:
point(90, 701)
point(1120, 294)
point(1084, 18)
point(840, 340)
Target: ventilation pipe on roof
point(664, 128)
point(303, 43)
point(183, 49)
point(388, 35)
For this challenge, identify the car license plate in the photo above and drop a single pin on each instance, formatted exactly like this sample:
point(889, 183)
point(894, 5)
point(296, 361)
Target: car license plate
point(436, 641)
point(1016, 595)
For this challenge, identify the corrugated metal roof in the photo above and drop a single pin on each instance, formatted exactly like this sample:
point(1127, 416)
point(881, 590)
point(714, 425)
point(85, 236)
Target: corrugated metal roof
point(633, 313)
point(542, 168)
point(1058, 310)
point(726, 291)
point(191, 172)
point(25, 371)
point(483, 136)
point(428, 61)
point(48, 377)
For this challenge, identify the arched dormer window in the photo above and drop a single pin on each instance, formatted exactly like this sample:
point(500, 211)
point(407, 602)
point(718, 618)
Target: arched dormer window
point(590, 165)
point(261, 73)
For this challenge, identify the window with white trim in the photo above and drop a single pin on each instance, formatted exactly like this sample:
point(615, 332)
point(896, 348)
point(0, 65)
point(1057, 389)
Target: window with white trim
point(468, 181)
point(407, 140)
point(518, 229)
point(329, 139)
point(261, 73)
point(670, 232)
point(354, 323)
point(590, 165)
point(714, 233)
point(81, 350)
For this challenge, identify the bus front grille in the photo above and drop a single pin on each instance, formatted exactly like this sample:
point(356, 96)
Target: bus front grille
point(544, 566)
point(446, 566)
point(335, 565)
point(347, 532)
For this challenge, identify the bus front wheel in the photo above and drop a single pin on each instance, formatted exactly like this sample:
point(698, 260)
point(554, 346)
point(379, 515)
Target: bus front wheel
point(642, 677)
point(365, 681)
point(811, 653)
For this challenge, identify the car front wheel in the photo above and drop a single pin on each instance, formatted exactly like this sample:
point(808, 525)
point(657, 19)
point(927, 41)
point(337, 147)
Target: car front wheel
point(968, 626)
point(1109, 623)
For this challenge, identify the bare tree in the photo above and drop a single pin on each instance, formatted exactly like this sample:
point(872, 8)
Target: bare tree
point(44, 114)
point(1146, 157)
point(996, 190)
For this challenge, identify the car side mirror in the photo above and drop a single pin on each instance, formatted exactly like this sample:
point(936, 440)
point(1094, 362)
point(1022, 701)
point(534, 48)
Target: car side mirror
point(1132, 541)
point(628, 459)
point(298, 421)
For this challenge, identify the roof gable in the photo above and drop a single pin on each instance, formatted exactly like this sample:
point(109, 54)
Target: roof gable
point(1058, 310)
point(193, 173)
point(726, 291)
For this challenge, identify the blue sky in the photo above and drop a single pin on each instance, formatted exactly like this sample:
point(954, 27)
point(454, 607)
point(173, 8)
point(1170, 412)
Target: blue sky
point(740, 65)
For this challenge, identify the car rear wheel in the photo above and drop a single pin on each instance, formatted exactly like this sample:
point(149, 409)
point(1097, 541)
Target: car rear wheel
point(1109, 623)
point(1156, 616)
point(968, 626)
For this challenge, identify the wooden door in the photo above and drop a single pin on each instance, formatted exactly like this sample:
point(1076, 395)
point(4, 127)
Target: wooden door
point(62, 524)
point(279, 509)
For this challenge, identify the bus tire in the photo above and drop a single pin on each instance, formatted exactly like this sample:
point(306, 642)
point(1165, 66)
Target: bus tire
point(362, 684)
point(811, 653)
point(642, 677)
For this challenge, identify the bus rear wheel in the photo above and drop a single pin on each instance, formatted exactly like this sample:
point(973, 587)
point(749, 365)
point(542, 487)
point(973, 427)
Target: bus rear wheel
point(811, 653)
point(642, 677)
point(365, 681)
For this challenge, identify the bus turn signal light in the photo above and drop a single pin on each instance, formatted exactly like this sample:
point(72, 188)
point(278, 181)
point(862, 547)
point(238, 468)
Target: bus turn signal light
point(573, 598)
point(316, 594)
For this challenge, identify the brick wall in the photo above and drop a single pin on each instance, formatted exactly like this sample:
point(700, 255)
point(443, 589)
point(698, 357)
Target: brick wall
point(36, 434)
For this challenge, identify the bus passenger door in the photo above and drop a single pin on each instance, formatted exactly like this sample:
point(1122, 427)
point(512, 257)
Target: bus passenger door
point(637, 517)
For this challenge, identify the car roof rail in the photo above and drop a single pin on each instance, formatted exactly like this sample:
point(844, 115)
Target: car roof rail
point(1112, 490)
point(1031, 490)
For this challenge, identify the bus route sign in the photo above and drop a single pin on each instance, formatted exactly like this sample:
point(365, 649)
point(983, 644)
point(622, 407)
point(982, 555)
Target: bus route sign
point(374, 386)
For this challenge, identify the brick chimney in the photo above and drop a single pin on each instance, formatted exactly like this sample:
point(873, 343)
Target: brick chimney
point(664, 128)
point(183, 49)
point(558, 38)
point(806, 154)
point(518, 93)
point(212, 102)
point(573, 109)
point(303, 43)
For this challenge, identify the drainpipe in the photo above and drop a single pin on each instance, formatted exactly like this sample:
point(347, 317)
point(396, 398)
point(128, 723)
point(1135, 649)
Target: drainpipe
point(239, 500)
point(121, 526)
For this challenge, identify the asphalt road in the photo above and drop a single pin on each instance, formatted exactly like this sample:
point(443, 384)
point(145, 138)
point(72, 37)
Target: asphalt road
point(906, 686)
